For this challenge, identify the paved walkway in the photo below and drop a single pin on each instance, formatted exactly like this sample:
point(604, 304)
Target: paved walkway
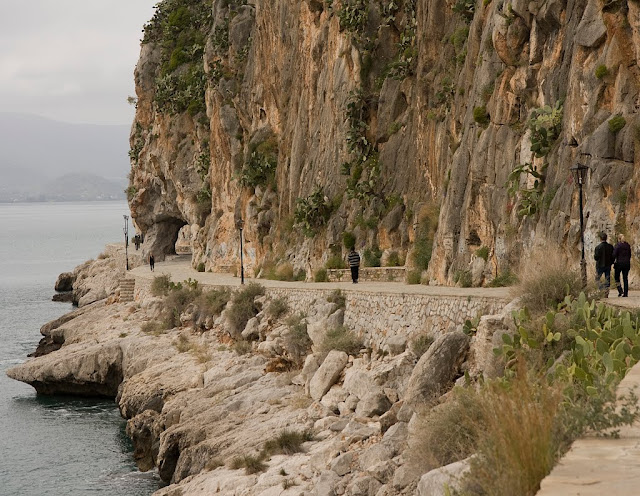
point(179, 268)
point(592, 467)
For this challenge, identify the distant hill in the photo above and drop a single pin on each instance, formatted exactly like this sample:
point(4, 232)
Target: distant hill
point(43, 158)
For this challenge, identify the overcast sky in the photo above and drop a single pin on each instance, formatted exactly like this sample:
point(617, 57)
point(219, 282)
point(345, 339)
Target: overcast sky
point(71, 60)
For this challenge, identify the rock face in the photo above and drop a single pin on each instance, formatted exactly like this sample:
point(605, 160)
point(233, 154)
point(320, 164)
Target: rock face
point(380, 118)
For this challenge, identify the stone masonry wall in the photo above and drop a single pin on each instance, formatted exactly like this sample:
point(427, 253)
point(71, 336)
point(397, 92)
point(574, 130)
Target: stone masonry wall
point(378, 317)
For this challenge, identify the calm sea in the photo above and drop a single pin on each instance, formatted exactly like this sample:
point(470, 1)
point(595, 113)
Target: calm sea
point(55, 445)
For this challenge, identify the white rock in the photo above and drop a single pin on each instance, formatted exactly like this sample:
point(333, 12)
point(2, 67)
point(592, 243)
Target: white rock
point(328, 373)
point(433, 483)
point(342, 464)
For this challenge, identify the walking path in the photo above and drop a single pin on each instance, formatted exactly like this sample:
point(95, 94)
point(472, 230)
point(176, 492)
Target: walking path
point(179, 268)
point(592, 467)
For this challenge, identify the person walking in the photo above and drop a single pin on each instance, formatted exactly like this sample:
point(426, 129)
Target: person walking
point(603, 256)
point(622, 265)
point(354, 264)
point(152, 262)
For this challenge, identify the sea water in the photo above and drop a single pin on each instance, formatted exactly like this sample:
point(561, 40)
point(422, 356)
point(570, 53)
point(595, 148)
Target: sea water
point(55, 445)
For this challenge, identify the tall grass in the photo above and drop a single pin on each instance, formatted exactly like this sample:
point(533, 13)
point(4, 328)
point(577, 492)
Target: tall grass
point(341, 339)
point(545, 280)
point(243, 306)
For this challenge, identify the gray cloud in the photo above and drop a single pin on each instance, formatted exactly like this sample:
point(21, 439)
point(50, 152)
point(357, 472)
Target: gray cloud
point(71, 60)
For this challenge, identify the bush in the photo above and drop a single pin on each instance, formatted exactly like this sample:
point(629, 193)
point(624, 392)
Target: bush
point(617, 123)
point(287, 443)
point(341, 339)
point(414, 277)
point(545, 280)
point(251, 464)
point(277, 308)
point(312, 212)
point(176, 302)
point(260, 168)
point(321, 276)
point(506, 278)
point(242, 347)
point(480, 115)
point(421, 344)
point(463, 278)
point(338, 298)
point(601, 71)
point(213, 302)
point(297, 341)
point(152, 327)
point(336, 262)
point(160, 285)
point(243, 306)
point(394, 260)
point(348, 240)
point(372, 256)
point(200, 267)
point(425, 232)
point(483, 252)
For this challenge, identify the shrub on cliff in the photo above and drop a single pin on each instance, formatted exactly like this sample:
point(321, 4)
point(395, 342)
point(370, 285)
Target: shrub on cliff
point(177, 301)
point(243, 306)
point(277, 308)
point(287, 443)
point(297, 341)
point(160, 285)
point(342, 339)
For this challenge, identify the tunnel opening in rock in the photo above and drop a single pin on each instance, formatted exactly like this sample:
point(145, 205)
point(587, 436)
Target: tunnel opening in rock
point(161, 238)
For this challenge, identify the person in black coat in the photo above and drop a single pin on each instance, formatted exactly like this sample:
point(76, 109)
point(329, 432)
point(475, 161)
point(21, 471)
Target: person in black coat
point(622, 265)
point(603, 256)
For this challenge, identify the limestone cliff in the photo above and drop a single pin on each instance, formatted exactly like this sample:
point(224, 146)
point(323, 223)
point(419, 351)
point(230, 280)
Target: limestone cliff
point(406, 123)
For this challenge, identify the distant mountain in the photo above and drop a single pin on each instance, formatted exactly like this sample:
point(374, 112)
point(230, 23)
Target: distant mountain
point(39, 156)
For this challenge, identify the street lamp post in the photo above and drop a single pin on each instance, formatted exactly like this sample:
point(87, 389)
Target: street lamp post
point(126, 239)
point(240, 226)
point(580, 172)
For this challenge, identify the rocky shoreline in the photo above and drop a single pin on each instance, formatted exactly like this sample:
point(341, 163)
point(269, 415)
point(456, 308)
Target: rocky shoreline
point(196, 403)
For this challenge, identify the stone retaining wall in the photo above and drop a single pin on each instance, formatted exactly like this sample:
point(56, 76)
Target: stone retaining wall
point(378, 274)
point(381, 317)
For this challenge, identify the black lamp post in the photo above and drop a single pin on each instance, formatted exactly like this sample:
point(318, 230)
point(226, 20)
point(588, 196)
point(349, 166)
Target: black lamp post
point(580, 172)
point(126, 239)
point(240, 225)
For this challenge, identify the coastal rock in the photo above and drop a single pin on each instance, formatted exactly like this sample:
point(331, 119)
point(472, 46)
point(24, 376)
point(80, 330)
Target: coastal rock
point(64, 282)
point(437, 368)
point(328, 373)
point(94, 370)
point(436, 482)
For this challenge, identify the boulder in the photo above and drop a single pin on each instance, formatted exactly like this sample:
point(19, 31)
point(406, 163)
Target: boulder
point(65, 282)
point(395, 344)
point(444, 480)
point(341, 465)
point(328, 373)
point(325, 484)
point(378, 453)
point(251, 331)
point(374, 403)
point(363, 486)
point(437, 368)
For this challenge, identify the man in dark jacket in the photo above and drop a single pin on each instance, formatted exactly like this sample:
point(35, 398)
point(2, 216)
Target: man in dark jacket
point(603, 256)
point(622, 264)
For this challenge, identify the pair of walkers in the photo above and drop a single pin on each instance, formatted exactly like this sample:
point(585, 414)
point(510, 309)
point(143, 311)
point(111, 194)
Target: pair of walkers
point(619, 256)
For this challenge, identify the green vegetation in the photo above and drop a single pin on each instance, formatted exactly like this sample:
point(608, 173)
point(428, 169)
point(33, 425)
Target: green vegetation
point(287, 443)
point(338, 298)
point(138, 144)
point(483, 253)
point(297, 341)
point(200, 267)
point(131, 192)
point(425, 232)
point(348, 240)
point(616, 123)
point(250, 464)
point(260, 168)
point(466, 8)
point(372, 256)
point(530, 199)
point(394, 260)
point(281, 272)
point(321, 276)
point(481, 116)
point(336, 262)
point(313, 212)
point(341, 339)
point(601, 71)
point(414, 277)
point(545, 124)
point(277, 308)
point(353, 15)
point(420, 344)
point(160, 285)
point(243, 306)
point(463, 278)
point(503, 279)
